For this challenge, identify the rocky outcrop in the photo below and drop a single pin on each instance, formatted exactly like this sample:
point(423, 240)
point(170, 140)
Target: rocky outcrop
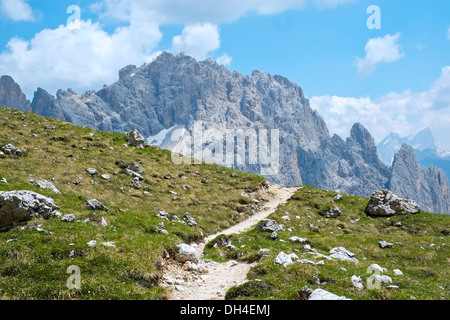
point(176, 92)
point(384, 203)
point(11, 96)
point(135, 139)
point(19, 206)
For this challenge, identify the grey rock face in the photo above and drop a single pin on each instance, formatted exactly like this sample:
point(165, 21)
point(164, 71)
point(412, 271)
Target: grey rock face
point(410, 181)
point(384, 203)
point(176, 91)
point(18, 206)
point(11, 95)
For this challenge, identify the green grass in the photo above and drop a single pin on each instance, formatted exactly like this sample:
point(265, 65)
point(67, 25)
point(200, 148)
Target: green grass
point(34, 265)
point(425, 268)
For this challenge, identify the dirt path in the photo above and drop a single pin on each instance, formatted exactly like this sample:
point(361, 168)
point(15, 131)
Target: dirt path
point(212, 280)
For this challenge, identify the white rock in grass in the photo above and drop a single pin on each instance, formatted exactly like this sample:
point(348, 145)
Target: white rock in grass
point(340, 253)
point(92, 243)
point(283, 259)
point(398, 272)
point(320, 294)
point(357, 282)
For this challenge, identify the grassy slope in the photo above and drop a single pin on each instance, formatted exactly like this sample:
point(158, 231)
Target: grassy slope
point(34, 265)
point(424, 269)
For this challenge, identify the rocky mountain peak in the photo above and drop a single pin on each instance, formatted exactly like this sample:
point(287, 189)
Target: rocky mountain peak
point(430, 186)
point(12, 96)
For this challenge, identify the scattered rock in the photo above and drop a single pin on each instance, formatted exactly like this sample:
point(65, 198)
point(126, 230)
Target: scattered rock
point(136, 184)
point(337, 197)
point(94, 204)
point(106, 177)
point(186, 253)
point(284, 259)
point(357, 282)
point(383, 244)
point(134, 174)
point(11, 150)
point(92, 243)
point(298, 240)
point(44, 184)
point(135, 139)
point(3, 180)
point(340, 253)
point(164, 215)
point(383, 279)
point(384, 203)
point(91, 171)
point(189, 220)
point(355, 220)
point(69, 218)
point(331, 213)
point(109, 244)
point(320, 294)
point(18, 206)
point(270, 226)
point(398, 272)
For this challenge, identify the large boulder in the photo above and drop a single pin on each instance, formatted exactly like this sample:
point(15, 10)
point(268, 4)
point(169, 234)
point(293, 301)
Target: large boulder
point(384, 203)
point(186, 253)
point(18, 206)
point(135, 139)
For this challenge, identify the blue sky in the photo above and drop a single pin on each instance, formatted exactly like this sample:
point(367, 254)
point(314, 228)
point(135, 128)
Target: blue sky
point(396, 78)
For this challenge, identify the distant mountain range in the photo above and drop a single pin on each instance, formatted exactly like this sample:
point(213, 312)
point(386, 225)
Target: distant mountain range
point(424, 147)
point(176, 92)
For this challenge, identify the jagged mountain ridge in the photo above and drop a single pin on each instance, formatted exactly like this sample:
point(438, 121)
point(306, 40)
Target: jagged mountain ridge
point(177, 90)
point(424, 147)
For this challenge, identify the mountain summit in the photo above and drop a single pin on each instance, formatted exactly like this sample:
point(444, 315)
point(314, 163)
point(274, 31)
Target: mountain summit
point(176, 93)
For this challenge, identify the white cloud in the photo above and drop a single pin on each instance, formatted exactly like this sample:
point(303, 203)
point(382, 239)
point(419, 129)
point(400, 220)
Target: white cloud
point(197, 40)
point(17, 10)
point(405, 113)
point(379, 50)
point(224, 59)
point(81, 59)
point(188, 12)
